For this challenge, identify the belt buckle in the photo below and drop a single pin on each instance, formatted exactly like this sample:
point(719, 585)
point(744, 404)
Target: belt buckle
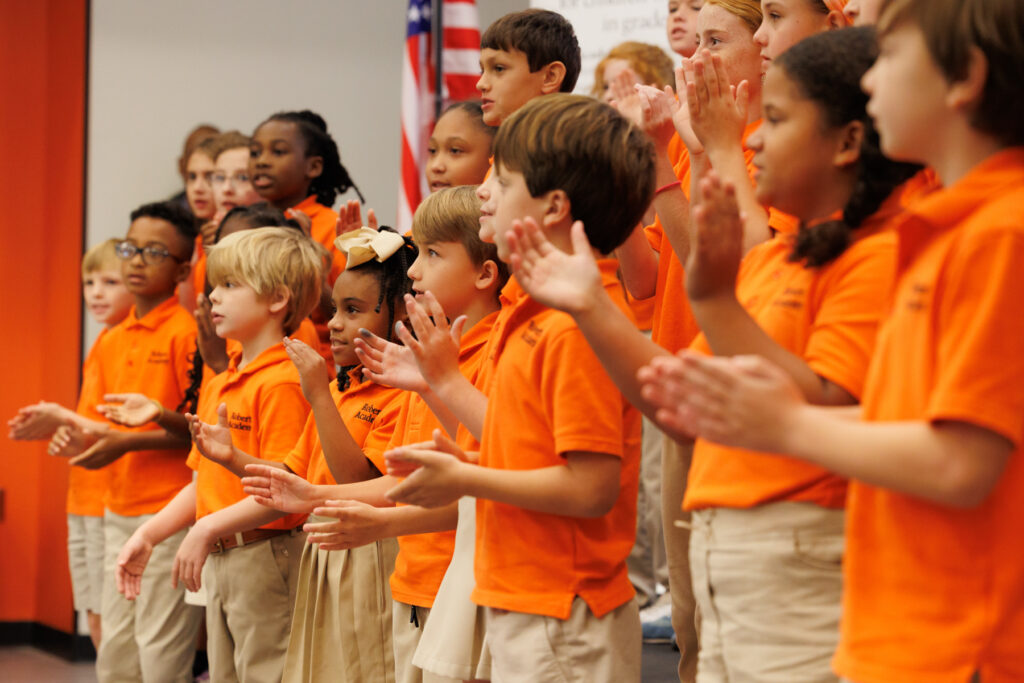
point(219, 545)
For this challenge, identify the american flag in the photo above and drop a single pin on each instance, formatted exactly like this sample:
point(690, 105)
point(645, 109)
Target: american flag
point(460, 68)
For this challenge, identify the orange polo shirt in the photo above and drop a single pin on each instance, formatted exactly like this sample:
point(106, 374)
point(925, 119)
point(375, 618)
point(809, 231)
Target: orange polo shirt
point(828, 316)
point(934, 593)
point(673, 326)
point(423, 558)
point(306, 333)
point(369, 411)
point(86, 488)
point(548, 396)
point(199, 267)
point(266, 412)
point(150, 356)
point(324, 230)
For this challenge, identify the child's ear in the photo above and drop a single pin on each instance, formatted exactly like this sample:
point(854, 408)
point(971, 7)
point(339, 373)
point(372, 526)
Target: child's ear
point(554, 74)
point(558, 209)
point(487, 276)
point(314, 167)
point(966, 93)
point(182, 272)
point(849, 144)
point(279, 300)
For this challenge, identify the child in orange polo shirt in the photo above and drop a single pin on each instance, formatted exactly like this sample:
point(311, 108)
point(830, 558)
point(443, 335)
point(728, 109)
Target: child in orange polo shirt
point(342, 618)
point(108, 300)
point(265, 282)
point(294, 163)
point(771, 608)
point(212, 356)
point(463, 275)
point(560, 448)
point(148, 351)
point(933, 573)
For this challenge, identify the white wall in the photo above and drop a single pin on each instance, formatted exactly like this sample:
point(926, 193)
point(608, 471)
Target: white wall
point(600, 25)
point(158, 68)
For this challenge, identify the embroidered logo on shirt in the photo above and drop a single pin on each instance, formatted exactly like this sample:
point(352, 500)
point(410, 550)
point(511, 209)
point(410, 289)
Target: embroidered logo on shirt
point(531, 335)
point(918, 299)
point(368, 413)
point(791, 297)
point(241, 422)
point(159, 357)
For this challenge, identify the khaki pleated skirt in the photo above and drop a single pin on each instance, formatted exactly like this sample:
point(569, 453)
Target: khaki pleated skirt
point(341, 627)
point(452, 644)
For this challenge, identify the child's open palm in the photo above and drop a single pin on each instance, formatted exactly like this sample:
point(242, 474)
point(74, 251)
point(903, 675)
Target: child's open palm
point(567, 282)
point(189, 561)
point(131, 562)
point(36, 422)
point(432, 472)
point(350, 217)
point(717, 110)
point(130, 410)
point(213, 441)
point(278, 489)
point(311, 366)
point(716, 242)
point(212, 348)
point(388, 363)
point(357, 524)
point(436, 344)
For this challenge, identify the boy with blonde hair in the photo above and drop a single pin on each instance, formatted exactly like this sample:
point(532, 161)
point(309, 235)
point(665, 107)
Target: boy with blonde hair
point(265, 282)
point(107, 299)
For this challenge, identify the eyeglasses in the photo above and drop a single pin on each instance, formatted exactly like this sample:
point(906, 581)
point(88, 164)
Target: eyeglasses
point(236, 180)
point(151, 255)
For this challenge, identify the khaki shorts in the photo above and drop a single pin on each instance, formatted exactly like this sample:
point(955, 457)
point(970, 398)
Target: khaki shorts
point(85, 560)
point(581, 649)
point(768, 583)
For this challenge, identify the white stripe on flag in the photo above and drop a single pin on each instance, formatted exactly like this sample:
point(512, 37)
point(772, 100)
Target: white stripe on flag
point(461, 62)
point(460, 15)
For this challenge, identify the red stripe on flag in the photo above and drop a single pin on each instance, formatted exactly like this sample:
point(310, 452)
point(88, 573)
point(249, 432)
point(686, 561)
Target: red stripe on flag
point(462, 38)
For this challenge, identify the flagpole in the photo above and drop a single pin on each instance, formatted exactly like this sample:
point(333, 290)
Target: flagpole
point(437, 14)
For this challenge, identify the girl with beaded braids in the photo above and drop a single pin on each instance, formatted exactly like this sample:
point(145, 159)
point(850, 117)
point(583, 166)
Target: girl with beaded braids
point(342, 616)
point(294, 164)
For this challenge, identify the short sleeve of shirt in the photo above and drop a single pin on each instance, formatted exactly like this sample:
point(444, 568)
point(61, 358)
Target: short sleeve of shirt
point(289, 409)
point(584, 404)
point(380, 435)
point(980, 356)
point(298, 458)
point(843, 332)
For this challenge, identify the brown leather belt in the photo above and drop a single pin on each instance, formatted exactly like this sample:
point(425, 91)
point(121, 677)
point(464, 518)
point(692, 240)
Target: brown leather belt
point(247, 537)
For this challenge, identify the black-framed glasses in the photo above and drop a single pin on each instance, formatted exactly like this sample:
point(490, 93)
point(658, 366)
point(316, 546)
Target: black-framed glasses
point(151, 255)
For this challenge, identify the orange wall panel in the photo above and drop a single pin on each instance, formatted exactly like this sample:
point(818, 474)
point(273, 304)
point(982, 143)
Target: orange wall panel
point(42, 125)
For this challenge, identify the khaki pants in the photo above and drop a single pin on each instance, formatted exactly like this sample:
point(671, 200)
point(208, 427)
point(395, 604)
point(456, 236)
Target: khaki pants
point(341, 625)
point(250, 594)
point(581, 649)
point(675, 468)
point(152, 638)
point(86, 552)
point(647, 562)
point(768, 583)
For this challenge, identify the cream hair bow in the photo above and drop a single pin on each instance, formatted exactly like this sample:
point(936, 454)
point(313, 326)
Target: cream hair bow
point(367, 244)
point(837, 6)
